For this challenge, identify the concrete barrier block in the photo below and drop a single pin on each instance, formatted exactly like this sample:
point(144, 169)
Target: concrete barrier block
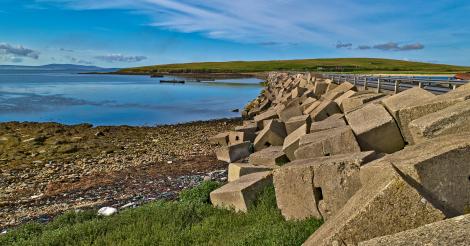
point(320, 88)
point(375, 129)
point(334, 121)
point(234, 152)
point(272, 135)
point(324, 110)
point(237, 170)
point(267, 115)
point(291, 142)
point(338, 91)
point(295, 122)
point(241, 193)
point(220, 139)
point(271, 156)
point(356, 101)
point(330, 142)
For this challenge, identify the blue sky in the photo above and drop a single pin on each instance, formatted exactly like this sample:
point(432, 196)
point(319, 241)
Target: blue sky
point(125, 33)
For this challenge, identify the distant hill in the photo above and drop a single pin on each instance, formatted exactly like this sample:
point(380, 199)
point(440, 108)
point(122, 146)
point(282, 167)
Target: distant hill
point(58, 67)
point(350, 65)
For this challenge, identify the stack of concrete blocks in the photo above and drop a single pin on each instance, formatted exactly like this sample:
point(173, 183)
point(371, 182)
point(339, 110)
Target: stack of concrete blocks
point(338, 154)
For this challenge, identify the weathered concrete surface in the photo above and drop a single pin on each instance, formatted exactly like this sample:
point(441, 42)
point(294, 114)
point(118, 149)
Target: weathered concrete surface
point(312, 107)
point(249, 130)
point(450, 232)
point(241, 193)
point(338, 91)
point(320, 88)
point(267, 115)
point(270, 156)
point(385, 205)
point(220, 139)
point(334, 141)
point(345, 95)
point(295, 195)
point(295, 122)
point(349, 104)
point(439, 166)
point(272, 135)
point(292, 110)
point(235, 137)
point(324, 110)
point(375, 129)
point(298, 91)
point(291, 142)
point(338, 179)
point(234, 152)
point(307, 102)
point(237, 170)
point(334, 121)
point(451, 120)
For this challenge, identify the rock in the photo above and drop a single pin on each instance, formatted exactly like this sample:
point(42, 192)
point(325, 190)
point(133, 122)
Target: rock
point(295, 122)
point(307, 102)
point(375, 129)
point(271, 156)
point(272, 135)
point(241, 193)
point(311, 107)
point(320, 88)
point(220, 139)
point(298, 92)
point(348, 94)
point(249, 130)
point(451, 232)
point(291, 142)
point(234, 152)
point(324, 110)
point(451, 120)
point(334, 141)
point(291, 110)
point(107, 211)
point(338, 91)
point(237, 170)
point(267, 115)
point(360, 98)
point(99, 134)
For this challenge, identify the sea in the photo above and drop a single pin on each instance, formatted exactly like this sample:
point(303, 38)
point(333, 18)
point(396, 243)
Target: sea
point(68, 97)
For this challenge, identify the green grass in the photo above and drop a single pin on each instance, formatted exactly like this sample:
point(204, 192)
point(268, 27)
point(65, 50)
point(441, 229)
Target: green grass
point(356, 65)
point(190, 221)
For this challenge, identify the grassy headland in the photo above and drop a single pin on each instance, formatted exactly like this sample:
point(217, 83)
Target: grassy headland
point(349, 65)
point(189, 221)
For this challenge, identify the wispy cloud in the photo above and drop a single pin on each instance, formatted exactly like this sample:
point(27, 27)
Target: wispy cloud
point(78, 61)
point(17, 51)
point(120, 58)
point(392, 46)
point(340, 45)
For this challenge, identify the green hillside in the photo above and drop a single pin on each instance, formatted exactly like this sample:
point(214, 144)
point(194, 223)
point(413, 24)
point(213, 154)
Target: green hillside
point(356, 65)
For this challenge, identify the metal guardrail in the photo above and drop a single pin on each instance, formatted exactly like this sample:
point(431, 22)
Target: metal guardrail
point(398, 83)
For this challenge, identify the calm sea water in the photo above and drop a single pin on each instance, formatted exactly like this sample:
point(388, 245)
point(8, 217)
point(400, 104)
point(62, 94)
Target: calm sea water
point(71, 98)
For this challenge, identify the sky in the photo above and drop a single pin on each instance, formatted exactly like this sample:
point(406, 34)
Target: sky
point(129, 33)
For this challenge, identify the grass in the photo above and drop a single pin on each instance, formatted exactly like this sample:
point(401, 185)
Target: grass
point(354, 65)
point(190, 221)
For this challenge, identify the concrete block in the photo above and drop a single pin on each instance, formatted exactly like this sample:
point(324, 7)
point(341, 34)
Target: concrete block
point(241, 193)
point(449, 232)
point(356, 101)
point(312, 107)
point(234, 152)
point(291, 142)
point(324, 110)
point(271, 156)
point(267, 115)
point(235, 137)
point(338, 91)
point(298, 92)
point(320, 88)
point(330, 86)
point(385, 205)
point(220, 139)
point(295, 122)
point(290, 111)
point(237, 170)
point(249, 131)
point(452, 120)
point(348, 94)
point(334, 141)
point(334, 121)
point(307, 102)
point(375, 129)
point(273, 134)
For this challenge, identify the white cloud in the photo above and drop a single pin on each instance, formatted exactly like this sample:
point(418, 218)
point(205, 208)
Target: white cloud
point(17, 51)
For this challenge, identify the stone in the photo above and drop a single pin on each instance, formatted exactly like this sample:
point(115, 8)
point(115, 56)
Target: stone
point(449, 232)
point(352, 103)
point(338, 91)
point(295, 195)
point(324, 110)
point(339, 100)
point(220, 139)
point(291, 142)
point(320, 88)
point(312, 107)
point(385, 205)
point(241, 193)
point(237, 170)
point(298, 92)
point(438, 166)
point(235, 137)
point(331, 86)
point(375, 129)
point(234, 152)
point(334, 141)
point(107, 211)
point(451, 120)
point(271, 156)
point(307, 102)
point(292, 110)
point(267, 115)
point(295, 122)
point(272, 135)
point(334, 121)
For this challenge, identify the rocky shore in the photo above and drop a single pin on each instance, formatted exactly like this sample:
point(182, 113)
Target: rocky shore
point(48, 168)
